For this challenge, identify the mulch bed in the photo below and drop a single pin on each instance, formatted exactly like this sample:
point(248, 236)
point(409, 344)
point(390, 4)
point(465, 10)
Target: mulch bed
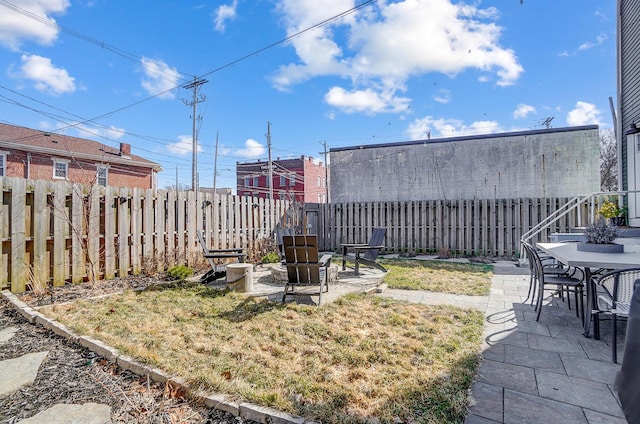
point(72, 374)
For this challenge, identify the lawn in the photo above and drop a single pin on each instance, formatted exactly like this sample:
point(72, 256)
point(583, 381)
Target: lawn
point(359, 359)
point(438, 276)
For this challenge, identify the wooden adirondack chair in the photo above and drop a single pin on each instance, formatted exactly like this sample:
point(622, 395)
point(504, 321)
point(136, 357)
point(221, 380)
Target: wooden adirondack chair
point(370, 250)
point(218, 271)
point(303, 267)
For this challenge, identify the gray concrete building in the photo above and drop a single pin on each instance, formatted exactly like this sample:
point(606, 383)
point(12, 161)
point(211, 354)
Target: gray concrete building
point(556, 162)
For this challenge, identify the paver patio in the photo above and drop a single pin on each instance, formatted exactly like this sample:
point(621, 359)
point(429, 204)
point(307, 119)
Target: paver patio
point(546, 371)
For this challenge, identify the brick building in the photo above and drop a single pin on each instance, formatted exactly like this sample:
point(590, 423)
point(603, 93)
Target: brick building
point(302, 179)
point(41, 155)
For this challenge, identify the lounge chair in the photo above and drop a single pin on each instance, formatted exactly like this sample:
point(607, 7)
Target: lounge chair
point(218, 271)
point(370, 250)
point(303, 267)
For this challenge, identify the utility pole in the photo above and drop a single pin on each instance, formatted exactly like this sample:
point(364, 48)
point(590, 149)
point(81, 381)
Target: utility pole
point(195, 86)
point(326, 172)
point(270, 181)
point(215, 165)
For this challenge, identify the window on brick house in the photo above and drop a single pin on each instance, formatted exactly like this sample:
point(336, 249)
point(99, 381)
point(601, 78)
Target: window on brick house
point(102, 175)
point(292, 178)
point(283, 181)
point(3, 164)
point(60, 168)
point(255, 181)
point(319, 181)
point(247, 182)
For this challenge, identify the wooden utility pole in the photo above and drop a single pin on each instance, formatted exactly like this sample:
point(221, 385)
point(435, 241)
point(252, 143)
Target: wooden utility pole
point(270, 177)
point(215, 165)
point(326, 172)
point(195, 86)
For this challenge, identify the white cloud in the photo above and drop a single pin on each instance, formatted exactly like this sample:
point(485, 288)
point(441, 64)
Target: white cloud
point(160, 79)
point(224, 13)
point(183, 146)
point(523, 110)
point(46, 77)
point(443, 96)
point(252, 149)
point(428, 127)
point(367, 101)
point(584, 114)
point(384, 45)
point(16, 27)
point(590, 44)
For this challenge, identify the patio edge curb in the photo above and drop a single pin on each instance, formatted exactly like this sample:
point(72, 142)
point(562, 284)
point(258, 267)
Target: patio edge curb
point(258, 413)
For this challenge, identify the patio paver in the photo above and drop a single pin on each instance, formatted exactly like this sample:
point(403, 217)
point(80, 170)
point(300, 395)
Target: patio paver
point(544, 371)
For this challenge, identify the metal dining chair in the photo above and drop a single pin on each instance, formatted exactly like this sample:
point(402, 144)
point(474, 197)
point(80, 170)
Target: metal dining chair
point(614, 293)
point(570, 279)
point(550, 267)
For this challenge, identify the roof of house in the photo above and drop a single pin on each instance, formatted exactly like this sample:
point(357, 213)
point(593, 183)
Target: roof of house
point(50, 143)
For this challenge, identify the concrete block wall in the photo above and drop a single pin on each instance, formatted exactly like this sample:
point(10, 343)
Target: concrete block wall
point(528, 164)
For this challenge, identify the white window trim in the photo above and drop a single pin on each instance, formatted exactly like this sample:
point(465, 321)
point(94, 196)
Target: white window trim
point(66, 168)
point(3, 163)
point(106, 174)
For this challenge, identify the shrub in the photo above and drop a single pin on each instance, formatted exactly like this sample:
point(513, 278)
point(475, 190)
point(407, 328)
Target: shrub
point(179, 272)
point(600, 232)
point(271, 258)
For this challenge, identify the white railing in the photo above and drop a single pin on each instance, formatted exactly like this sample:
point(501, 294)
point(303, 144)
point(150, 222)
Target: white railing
point(593, 200)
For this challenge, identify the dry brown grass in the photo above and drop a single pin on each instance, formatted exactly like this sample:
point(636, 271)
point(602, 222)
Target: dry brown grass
point(358, 359)
point(439, 276)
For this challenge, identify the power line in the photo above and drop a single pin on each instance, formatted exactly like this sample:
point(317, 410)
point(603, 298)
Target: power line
point(51, 23)
point(290, 37)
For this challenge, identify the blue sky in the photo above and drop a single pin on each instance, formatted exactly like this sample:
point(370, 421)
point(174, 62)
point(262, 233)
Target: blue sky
point(373, 72)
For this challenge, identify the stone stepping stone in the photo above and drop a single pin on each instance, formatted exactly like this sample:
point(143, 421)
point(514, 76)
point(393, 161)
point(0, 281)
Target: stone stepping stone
point(19, 372)
point(7, 333)
point(89, 413)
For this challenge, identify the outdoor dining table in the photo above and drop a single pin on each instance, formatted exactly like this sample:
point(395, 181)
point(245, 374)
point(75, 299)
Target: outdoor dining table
point(569, 255)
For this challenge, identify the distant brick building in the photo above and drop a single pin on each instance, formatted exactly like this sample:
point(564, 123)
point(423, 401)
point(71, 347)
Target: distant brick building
point(301, 179)
point(41, 155)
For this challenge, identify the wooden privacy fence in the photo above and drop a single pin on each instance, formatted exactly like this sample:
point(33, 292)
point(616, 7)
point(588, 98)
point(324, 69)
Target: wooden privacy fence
point(62, 232)
point(470, 227)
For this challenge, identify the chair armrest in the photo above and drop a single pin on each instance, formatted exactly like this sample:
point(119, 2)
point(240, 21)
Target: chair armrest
point(353, 245)
point(367, 247)
point(325, 260)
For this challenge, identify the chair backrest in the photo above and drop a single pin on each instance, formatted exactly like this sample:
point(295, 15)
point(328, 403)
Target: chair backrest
point(532, 258)
point(619, 284)
point(301, 259)
point(280, 232)
point(205, 249)
point(377, 239)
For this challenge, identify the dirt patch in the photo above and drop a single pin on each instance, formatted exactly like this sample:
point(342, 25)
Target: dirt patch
point(72, 292)
point(72, 374)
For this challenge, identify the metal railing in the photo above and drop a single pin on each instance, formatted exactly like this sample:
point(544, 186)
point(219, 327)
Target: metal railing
point(592, 199)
